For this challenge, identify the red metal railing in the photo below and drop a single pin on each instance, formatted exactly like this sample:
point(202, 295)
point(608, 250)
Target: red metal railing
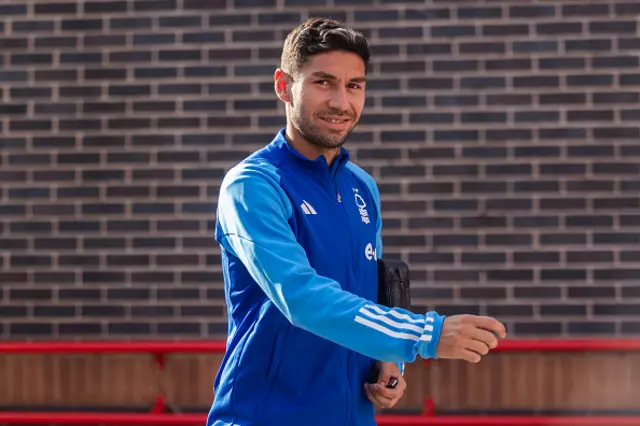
point(560, 345)
point(383, 420)
point(604, 345)
point(157, 349)
point(158, 415)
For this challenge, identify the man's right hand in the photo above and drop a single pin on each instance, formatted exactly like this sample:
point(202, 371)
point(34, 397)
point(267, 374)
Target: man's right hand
point(469, 337)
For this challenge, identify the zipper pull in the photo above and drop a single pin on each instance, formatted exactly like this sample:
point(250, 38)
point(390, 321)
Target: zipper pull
point(339, 197)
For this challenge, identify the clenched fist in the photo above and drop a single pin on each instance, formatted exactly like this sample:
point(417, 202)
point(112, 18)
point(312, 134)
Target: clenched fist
point(469, 337)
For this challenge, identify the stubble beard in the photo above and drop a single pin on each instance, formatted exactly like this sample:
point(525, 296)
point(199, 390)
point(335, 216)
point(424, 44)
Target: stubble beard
point(312, 134)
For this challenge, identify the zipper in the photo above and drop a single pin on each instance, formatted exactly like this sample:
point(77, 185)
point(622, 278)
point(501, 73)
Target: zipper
point(348, 224)
point(350, 394)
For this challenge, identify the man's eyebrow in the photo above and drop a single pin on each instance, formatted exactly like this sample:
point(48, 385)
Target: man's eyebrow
point(326, 75)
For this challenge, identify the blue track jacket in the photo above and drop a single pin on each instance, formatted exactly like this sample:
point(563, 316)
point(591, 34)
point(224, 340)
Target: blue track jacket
point(299, 243)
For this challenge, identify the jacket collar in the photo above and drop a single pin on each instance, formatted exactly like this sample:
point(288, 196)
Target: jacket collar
point(319, 164)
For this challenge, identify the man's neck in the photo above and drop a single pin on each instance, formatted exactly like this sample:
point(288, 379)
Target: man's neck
point(307, 149)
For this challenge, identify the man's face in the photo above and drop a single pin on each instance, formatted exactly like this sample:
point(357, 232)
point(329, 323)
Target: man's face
point(327, 98)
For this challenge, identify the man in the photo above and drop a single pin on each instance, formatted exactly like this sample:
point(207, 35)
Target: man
point(299, 227)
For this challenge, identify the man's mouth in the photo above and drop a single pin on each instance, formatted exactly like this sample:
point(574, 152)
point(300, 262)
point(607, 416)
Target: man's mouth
point(334, 120)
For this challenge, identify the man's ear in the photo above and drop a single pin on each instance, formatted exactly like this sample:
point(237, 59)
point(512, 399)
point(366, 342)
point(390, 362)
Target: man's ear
point(282, 85)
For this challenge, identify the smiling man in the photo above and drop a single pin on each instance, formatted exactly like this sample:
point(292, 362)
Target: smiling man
point(299, 226)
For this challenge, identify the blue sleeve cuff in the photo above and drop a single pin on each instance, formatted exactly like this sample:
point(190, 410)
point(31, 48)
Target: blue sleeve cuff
point(436, 321)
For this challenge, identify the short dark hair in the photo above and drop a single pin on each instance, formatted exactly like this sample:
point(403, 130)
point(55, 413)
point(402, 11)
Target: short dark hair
point(319, 35)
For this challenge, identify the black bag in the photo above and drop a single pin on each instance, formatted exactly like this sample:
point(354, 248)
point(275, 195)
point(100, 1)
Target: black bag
point(393, 292)
point(393, 284)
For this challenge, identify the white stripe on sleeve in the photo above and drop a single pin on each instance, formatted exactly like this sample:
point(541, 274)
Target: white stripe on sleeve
point(398, 315)
point(385, 330)
point(412, 328)
point(391, 322)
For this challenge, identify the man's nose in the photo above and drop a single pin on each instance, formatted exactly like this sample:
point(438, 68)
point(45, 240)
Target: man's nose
point(339, 100)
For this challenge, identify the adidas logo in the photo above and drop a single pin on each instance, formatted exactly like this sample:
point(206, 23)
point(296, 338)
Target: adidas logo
point(306, 208)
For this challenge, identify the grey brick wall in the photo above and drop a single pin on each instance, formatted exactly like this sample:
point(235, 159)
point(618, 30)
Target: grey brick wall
point(504, 136)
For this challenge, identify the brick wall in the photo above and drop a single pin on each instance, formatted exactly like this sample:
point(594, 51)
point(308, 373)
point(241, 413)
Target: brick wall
point(504, 137)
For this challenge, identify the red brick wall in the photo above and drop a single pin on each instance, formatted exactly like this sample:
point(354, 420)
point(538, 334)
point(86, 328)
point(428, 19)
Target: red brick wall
point(503, 134)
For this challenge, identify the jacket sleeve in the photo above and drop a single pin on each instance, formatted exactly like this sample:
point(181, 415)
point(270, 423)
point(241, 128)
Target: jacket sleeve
point(252, 216)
